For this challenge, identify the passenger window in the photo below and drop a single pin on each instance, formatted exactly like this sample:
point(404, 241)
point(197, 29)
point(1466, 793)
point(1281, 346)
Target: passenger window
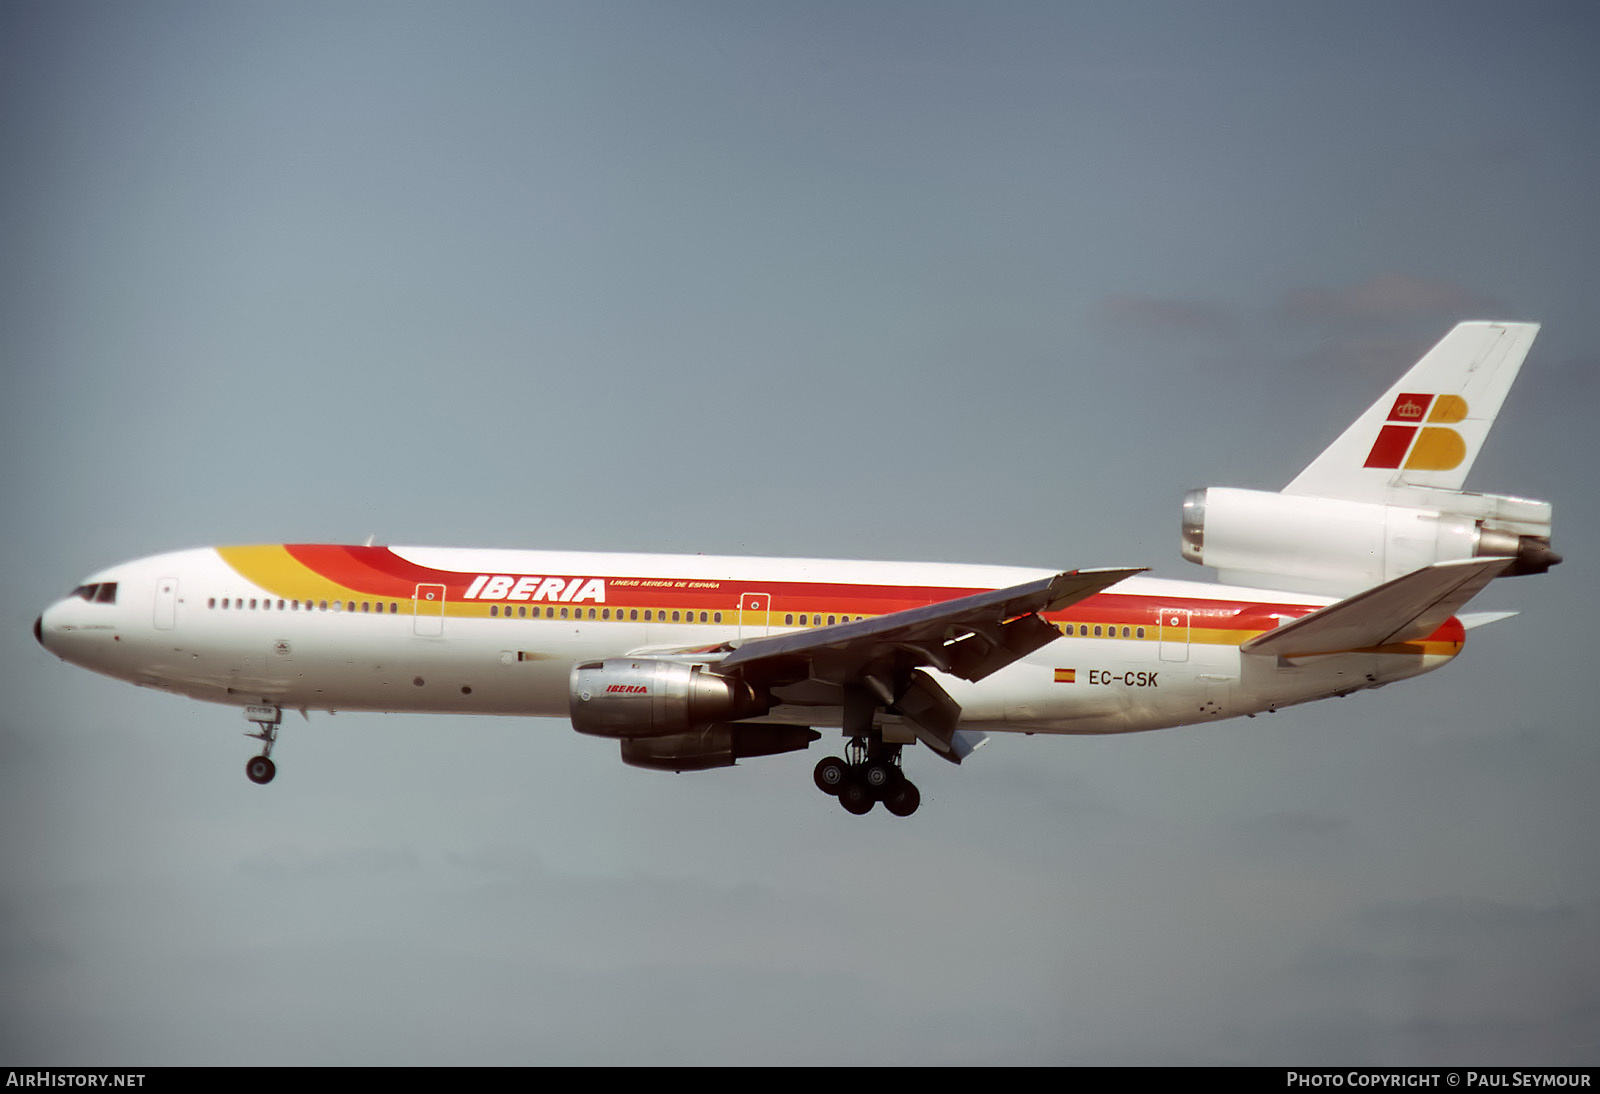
point(788, 619)
point(633, 614)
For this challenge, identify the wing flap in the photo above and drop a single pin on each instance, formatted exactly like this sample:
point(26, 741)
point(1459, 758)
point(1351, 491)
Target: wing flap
point(1402, 610)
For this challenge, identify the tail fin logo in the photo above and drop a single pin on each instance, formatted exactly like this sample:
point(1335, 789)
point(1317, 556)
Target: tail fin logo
point(1430, 447)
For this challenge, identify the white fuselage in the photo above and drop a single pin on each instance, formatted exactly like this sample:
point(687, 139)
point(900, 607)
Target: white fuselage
point(498, 632)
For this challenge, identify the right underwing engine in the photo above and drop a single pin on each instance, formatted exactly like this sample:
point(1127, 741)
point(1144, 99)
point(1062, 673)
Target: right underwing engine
point(627, 698)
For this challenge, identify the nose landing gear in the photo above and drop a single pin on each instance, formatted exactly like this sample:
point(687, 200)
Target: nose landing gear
point(869, 773)
point(260, 769)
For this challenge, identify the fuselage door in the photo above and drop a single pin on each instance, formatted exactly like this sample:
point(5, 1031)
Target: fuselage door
point(1174, 634)
point(166, 616)
point(755, 614)
point(428, 611)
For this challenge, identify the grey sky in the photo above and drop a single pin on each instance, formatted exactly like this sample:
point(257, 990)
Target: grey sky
point(988, 283)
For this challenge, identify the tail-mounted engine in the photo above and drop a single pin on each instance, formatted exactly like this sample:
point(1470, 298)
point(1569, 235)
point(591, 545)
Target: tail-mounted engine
point(1336, 547)
point(627, 698)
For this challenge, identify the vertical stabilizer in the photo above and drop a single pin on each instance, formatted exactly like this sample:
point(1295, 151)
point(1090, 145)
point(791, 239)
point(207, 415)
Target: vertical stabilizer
point(1427, 429)
point(1385, 499)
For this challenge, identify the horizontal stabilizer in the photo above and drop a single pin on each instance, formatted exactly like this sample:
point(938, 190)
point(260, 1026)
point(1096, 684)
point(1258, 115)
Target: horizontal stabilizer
point(1474, 620)
point(1402, 610)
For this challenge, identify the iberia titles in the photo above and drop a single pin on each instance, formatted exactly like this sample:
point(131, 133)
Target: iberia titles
point(562, 590)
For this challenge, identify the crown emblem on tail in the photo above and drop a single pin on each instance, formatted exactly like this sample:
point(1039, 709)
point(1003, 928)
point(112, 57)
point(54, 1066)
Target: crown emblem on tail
point(1435, 447)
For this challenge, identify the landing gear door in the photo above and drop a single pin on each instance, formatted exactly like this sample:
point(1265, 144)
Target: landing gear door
point(1174, 634)
point(755, 614)
point(428, 611)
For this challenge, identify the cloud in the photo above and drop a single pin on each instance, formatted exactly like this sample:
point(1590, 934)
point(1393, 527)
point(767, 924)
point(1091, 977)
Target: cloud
point(1130, 314)
point(1295, 823)
point(1485, 150)
point(1428, 979)
point(1387, 298)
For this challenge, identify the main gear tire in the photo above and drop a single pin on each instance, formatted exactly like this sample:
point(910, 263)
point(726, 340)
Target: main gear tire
point(830, 774)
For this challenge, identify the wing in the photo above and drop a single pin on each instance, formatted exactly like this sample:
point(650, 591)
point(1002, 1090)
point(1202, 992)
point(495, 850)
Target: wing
point(877, 663)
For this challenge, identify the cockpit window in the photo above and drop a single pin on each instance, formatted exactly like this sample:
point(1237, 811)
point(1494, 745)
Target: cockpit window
point(102, 592)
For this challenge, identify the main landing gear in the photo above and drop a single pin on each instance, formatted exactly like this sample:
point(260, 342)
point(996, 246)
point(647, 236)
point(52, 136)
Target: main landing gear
point(870, 773)
point(260, 769)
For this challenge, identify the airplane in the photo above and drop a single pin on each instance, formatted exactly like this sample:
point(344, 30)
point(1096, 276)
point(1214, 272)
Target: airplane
point(1349, 578)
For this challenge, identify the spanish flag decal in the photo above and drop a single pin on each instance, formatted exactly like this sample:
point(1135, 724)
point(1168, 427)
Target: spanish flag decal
point(1066, 676)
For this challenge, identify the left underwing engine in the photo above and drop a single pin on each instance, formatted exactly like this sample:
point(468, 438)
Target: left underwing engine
point(627, 698)
point(719, 745)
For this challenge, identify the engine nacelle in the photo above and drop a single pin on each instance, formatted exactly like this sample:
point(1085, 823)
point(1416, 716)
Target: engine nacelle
point(627, 698)
point(1336, 547)
point(718, 745)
